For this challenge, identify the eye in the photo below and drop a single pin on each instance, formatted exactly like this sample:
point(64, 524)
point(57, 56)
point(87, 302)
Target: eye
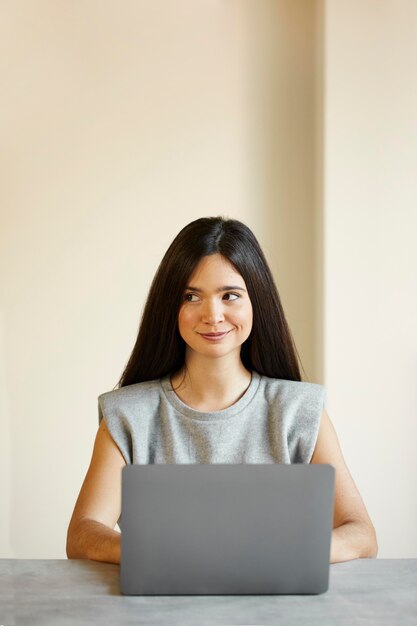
point(190, 297)
point(231, 296)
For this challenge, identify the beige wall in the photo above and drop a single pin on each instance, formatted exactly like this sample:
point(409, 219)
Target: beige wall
point(370, 190)
point(281, 69)
point(122, 123)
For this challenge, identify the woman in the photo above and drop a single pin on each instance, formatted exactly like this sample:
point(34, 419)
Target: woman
point(213, 378)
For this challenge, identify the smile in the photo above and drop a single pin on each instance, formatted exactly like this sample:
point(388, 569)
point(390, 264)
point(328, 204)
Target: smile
point(214, 336)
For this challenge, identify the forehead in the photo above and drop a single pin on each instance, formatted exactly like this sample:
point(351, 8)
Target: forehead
point(216, 267)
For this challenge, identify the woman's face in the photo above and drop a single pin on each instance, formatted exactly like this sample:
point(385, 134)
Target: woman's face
point(216, 315)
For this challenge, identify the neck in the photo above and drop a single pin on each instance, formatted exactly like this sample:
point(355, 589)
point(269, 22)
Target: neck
point(211, 384)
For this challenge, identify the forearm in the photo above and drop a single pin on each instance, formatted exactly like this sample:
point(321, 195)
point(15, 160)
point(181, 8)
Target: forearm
point(89, 539)
point(353, 540)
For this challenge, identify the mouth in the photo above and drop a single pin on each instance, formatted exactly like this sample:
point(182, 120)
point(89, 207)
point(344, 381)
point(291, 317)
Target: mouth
point(214, 336)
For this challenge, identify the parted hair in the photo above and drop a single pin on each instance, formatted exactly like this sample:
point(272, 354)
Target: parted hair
point(160, 350)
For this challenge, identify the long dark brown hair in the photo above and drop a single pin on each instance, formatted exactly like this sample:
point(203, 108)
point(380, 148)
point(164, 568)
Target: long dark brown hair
point(160, 350)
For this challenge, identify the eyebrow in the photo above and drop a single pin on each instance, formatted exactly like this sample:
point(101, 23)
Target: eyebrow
point(225, 288)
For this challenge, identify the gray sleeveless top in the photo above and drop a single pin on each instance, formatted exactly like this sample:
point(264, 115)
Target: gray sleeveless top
point(275, 421)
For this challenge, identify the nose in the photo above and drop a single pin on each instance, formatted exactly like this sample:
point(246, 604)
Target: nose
point(212, 312)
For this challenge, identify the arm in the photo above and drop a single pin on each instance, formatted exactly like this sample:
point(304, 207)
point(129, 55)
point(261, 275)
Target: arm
point(353, 535)
point(91, 533)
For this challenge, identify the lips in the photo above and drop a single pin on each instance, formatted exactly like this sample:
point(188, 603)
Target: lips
point(214, 336)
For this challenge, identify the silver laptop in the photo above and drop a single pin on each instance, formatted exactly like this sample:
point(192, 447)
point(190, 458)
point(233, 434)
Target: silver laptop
point(226, 529)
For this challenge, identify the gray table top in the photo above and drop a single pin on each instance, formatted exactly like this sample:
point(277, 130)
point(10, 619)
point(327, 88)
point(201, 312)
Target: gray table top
point(78, 592)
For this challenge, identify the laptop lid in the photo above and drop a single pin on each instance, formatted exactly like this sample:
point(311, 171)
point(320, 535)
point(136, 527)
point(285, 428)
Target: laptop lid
point(226, 529)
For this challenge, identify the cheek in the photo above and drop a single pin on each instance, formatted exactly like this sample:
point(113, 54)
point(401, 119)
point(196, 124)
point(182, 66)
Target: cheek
point(185, 319)
point(244, 317)
point(249, 320)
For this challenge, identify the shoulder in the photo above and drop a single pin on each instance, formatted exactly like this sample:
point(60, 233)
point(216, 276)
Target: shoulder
point(297, 406)
point(131, 395)
point(292, 391)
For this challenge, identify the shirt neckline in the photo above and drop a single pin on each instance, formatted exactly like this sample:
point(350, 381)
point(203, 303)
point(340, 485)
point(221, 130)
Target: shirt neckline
point(230, 411)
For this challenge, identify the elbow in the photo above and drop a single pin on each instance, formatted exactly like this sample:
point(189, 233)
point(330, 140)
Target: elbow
point(70, 548)
point(370, 548)
point(355, 539)
point(70, 553)
point(374, 552)
point(73, 545)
